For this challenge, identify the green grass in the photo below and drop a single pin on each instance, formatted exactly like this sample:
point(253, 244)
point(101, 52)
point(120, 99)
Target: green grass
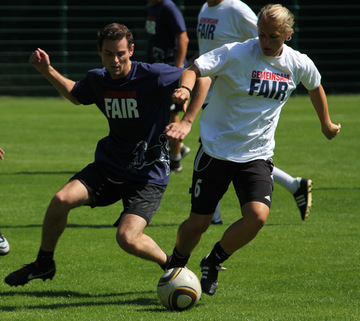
point(293, 270)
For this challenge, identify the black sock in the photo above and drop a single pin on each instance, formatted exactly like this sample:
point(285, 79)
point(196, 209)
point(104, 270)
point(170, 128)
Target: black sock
point(218, 255)
point(166, 264)
point(45, 258)
point(178, 260)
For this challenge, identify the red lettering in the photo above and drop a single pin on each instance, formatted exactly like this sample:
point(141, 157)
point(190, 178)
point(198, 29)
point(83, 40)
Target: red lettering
point(209, 20)
point(120, 94)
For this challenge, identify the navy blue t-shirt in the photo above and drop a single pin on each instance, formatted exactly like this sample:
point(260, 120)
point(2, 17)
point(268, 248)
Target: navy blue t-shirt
point(137, 110)
point(163, 22)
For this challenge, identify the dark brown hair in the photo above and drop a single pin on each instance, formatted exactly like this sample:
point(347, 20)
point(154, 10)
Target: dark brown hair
point(115, 31)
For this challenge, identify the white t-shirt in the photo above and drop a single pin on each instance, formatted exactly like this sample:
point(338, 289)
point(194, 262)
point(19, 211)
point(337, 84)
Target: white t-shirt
point(229, 21)
point(243, 112)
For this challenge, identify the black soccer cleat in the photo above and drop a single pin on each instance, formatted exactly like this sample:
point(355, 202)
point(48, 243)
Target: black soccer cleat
point(175, 166)
point(30, 272)
point(303, 197)
point(209, 278)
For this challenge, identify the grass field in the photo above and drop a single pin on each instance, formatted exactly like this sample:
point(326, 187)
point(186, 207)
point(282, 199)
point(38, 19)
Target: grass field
point(293, 270)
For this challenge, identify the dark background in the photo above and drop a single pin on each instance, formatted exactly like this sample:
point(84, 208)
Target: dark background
point(66, 29)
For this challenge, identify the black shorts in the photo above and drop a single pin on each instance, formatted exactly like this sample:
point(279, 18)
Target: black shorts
point(211, 178)
point(138, 198)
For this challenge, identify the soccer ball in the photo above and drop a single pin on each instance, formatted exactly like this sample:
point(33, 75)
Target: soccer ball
point(179, 289)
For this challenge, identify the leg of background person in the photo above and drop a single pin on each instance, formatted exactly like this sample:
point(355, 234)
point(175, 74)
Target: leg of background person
point(301, 189)
point(285, 180)
point(175, 148)
point(217, 220)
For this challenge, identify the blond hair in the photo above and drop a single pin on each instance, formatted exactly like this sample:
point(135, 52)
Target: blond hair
point(279, 14)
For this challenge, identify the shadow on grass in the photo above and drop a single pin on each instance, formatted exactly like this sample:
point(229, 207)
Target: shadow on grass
point(94, 226)
point(139, 301)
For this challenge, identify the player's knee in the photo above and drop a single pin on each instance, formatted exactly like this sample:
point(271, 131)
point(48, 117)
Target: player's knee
point(257, 220)
point(198, 226)
point(126, 241)
point(60, 200)
point(255, 214)
point(260, 221)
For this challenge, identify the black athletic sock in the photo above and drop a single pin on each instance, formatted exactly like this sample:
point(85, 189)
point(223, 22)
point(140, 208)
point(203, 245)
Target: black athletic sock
point(178, 260)
point(45, 258)
point(166, 264)
point(218, 255)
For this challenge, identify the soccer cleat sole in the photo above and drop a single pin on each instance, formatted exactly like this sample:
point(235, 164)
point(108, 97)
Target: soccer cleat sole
point(304, 203)
point(309, 201)
point(22, 284)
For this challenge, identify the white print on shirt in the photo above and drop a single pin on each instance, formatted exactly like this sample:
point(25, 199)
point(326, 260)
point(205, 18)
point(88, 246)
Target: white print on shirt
point(142, 148)
point(269, 84)
point(121, 108)
point(150, 26)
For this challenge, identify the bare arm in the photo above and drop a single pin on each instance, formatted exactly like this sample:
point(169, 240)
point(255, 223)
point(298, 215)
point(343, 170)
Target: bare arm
point(1, 153)
point(191, 79)
point(188, 78)
point(41, 61)
point(319, 101)
point(181, 50)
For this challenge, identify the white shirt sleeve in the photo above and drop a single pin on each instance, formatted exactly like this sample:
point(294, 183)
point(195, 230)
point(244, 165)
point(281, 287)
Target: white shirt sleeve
point(215, 61)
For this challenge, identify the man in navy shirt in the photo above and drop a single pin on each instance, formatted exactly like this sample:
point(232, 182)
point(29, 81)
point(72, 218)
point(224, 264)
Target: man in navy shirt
point(167, 43)
point(131, 163)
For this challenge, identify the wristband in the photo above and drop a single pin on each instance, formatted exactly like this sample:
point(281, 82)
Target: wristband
point(187, 88)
